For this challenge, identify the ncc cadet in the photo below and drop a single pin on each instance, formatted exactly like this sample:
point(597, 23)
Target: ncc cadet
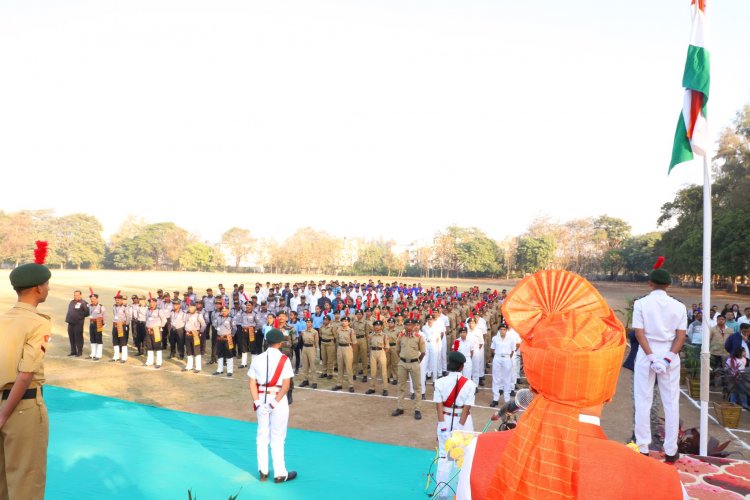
point(503, 346)
point(309, 355)
point(24, 428)
point(359, 349)
point(218, 306)
point(327, 347)
point(96, 327)
point(245, 333)
point(392, 334)
point(177, 330)
point(166, 310)
point(121, 321)
point(378, 341)
point(209, 309)
point(345, 338)
point(138, 311)
point(411, 349)
point(195, 325)
point(224, 342)
point(290, 338)
point(155, 321)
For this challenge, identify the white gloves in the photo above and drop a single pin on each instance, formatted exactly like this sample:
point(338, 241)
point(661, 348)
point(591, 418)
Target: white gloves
point(260, 407)
point(657, 365)
point(672, 357)
point(271, 405)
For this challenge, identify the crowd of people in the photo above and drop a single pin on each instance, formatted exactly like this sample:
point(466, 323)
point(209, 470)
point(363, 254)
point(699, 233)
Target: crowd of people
point(332, 329)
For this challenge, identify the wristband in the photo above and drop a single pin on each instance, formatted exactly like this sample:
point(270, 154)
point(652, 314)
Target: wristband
point(273, 403)
point(257, 403)
point(669, 361)
point(443, 429)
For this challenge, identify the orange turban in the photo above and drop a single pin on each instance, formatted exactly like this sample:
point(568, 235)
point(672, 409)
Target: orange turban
point(572, 350)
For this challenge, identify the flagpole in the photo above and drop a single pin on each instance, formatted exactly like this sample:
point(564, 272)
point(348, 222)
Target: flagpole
point(706, 299)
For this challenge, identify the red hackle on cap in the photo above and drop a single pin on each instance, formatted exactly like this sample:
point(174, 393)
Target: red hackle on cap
point(149, 296)
point(187, 300)
point(245, 295)
point(659, 262)
point(456, 343)
point(276, 323)
point(118, 294)
point(377, 315)
point(91, 291)
point(40, 252)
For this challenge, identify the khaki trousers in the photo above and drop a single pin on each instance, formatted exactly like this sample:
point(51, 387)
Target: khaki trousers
point(329, 356)
point(23, 451)
point(309, 360)
point(404, 370)
point(378, 363)
point(360, 355)
point(393, 363)
point(344, 358)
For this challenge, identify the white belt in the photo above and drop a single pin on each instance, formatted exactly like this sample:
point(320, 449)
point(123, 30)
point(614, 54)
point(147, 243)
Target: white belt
point(269, 390)
point(503, 355)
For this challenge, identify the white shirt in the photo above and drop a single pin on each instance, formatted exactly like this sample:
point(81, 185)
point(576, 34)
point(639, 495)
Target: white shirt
point(294, 302)
point(466, 346)
point(264, 366)
point(516, 336)
point(477, 336)
point(431, 334)
point(659, 315)
point(743, 319)
point(503, 346)
point(444, 387)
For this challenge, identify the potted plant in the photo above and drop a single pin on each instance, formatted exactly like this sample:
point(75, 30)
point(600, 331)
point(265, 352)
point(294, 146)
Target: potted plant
point(692, 365)
point(736, 389)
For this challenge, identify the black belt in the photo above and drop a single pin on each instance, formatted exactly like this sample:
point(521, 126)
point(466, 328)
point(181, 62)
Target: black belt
point(410, 360)
point(344, 345)
point(360, 336)
point(326, 340)
point(392, 345)
point(308, 345)
point(29, 394)
point(376, 348)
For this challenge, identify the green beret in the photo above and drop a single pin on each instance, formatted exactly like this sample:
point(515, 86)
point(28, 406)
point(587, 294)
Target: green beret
point(660, 276)
point(29, 275)
point(456, 357)
point(274, 336)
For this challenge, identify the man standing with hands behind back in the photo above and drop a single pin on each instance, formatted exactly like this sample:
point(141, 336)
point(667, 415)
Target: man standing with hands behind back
point(78, 309)
point(24, 428)
point(660, 323)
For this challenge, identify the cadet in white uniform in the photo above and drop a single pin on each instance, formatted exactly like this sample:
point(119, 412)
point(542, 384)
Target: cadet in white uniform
point(270, 374)
point(660, 322)
point(454, 396)
point(503, 347)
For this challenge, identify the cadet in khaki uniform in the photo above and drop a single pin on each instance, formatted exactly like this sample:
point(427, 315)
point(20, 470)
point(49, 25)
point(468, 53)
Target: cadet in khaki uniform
point(411, 348)
point(309, 355)
point(345, 338)
point(328, 346)
point(378, 356)
point(361, 330)
point(24, 428)
point(392, 334)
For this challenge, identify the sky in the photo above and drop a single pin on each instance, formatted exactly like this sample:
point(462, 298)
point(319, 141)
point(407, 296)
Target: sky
point(362, 118)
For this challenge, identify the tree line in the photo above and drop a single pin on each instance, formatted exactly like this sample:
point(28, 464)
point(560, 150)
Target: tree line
point(601, 247)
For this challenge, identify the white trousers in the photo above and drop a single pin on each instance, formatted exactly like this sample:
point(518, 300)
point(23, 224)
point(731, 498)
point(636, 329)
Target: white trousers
point(443, 353)
point(477, 362)
point(466, 372)
point(517, 365)
point(643, 393)
point(272, 429)
point(502, 377)
point(443, 465)
point(433, 359)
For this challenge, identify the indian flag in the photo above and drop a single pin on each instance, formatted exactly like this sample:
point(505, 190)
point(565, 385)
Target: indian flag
point(691, 137)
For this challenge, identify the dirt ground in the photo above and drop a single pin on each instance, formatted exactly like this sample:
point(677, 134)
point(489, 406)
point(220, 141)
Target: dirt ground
point(353, 415)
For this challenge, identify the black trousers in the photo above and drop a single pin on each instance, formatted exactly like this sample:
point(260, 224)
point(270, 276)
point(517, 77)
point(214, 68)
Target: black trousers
point(257, 346)
point(297, 353)
point(177, 339)
point(139, 337)
point(94, 336)
point(191, 349)
point(151, 344)
point(223, 350)
point(120, 341)
point(75, 335)
point(242, 340)
point(165, 332)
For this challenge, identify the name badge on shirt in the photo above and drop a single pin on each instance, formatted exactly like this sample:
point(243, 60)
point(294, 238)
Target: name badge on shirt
point(78, 305)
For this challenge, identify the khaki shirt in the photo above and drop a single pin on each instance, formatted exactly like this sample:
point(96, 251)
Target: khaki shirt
point(361, 327)
point(24, 334)
point(345, 336)
point(379, 339)
point(308, 337)
point(327, 332)
point(392, 335)
point(411, 346)
point(716, 343)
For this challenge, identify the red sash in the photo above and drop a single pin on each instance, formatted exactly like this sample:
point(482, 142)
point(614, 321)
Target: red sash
point(276, 374)
point(448, 403)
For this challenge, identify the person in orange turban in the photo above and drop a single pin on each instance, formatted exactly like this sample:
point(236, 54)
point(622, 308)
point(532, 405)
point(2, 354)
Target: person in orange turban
point(572, 351)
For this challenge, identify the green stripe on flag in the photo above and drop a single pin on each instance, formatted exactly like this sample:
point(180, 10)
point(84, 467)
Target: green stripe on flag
point(681, 150)
point(697, 75)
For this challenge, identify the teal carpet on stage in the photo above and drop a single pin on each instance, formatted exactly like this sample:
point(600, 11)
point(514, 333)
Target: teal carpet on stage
point(102, 447)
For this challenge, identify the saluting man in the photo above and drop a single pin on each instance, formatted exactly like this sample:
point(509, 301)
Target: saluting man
point(660, 323)
point(24, 428)
point(270, 374)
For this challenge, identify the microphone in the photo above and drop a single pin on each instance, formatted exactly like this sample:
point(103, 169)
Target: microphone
point(519, 403)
